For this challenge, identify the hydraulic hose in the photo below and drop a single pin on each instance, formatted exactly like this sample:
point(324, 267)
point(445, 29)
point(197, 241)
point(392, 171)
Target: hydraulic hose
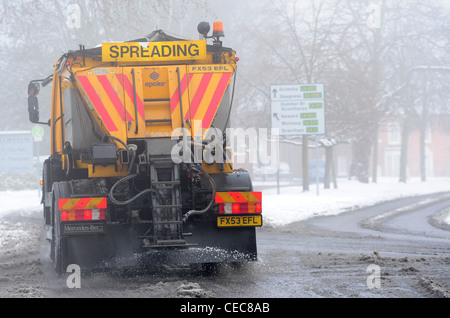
point(131, 148)
point(117, 202)
point(213, 186)
point(117, 139)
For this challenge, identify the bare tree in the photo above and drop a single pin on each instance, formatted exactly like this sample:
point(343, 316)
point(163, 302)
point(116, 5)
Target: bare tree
point(420, 52)
point(36, 32)
point(293, 49)
point(371, 61)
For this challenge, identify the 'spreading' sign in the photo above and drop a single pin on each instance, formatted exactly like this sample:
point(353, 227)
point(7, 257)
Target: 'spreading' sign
point(153, 51)
point(298, 109)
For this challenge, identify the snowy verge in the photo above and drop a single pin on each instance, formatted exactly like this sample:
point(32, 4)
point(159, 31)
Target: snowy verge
point(292, 204)
point(20, 201)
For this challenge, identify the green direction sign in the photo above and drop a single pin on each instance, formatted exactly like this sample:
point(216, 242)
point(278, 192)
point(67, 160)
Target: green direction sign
point(298, 109)
point(38, 133)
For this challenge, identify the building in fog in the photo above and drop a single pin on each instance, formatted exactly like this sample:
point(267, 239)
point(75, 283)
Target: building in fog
point(437, 148)
point(437, 154)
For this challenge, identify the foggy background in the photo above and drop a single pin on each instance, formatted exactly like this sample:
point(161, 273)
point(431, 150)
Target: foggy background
point(379, 61)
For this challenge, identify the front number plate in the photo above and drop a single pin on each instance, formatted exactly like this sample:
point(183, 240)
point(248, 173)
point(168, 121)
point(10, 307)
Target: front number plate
point(239, 220)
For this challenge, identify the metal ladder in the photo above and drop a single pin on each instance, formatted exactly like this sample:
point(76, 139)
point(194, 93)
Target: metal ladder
point(166, 204)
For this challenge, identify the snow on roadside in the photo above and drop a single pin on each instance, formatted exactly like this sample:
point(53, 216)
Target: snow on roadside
point(19, 201)
point(447, 219)
point(292, 204)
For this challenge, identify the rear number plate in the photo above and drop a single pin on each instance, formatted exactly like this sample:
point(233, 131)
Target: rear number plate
point(239, 220)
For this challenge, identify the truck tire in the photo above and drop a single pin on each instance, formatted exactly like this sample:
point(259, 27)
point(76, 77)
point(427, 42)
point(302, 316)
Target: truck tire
point(58, 248)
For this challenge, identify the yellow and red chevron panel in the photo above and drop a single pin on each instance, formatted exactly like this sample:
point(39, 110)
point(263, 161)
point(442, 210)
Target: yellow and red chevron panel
point(104, 91)
point(82, 203)
point(83, 209)
point(239, 202)
point(112, 96)
point(205, 86)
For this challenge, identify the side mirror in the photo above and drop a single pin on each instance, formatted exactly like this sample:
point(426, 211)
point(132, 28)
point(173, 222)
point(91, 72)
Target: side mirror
point(33, 88)
point(33, 108)
point(33, 104)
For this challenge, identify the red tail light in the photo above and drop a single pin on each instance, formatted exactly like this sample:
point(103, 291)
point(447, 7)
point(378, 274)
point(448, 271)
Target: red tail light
point(83, 215)
point(240, 208)
point(239, 202)
point(82, 209)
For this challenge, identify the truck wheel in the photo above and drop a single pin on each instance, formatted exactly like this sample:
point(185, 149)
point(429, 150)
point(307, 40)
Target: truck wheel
point(59, 252)
point(58, 248)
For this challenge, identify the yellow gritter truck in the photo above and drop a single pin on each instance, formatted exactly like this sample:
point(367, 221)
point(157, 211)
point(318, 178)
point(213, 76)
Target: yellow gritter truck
point(140, 171)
